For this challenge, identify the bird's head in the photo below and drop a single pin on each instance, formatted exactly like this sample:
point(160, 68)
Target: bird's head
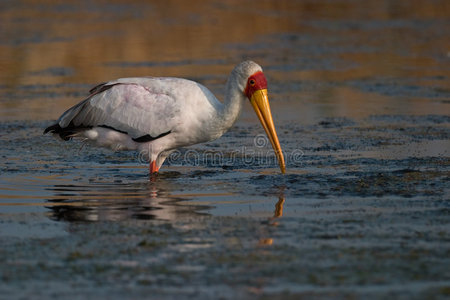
point(256, 91)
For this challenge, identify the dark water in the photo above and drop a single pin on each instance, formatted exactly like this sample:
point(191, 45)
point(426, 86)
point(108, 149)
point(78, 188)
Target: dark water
point(360, 96)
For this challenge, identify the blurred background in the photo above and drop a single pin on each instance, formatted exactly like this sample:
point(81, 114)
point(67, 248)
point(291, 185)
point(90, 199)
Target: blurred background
point(322, 58)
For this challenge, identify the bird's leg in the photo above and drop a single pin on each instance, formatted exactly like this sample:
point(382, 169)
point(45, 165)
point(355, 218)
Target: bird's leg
point(153, 167)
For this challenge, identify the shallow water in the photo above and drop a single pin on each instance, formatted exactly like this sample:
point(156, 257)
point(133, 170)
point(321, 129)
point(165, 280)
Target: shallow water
point(360, 98)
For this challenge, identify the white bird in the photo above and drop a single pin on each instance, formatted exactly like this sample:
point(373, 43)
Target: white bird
point(156, 115)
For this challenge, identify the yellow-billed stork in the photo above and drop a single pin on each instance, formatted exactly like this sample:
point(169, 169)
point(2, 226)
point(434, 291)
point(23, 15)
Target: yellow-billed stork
point(156, 115)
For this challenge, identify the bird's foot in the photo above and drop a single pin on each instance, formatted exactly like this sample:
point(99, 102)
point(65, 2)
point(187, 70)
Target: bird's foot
point(153, 171)
point(153, 168)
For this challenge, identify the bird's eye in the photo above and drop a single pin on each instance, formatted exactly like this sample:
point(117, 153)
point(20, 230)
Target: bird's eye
point(252, 82)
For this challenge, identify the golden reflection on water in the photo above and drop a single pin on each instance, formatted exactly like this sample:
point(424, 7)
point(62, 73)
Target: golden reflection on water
point(161, 31)
point(52, 51)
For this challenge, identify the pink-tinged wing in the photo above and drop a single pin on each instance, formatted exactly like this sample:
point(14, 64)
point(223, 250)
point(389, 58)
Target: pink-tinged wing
point(139, 107)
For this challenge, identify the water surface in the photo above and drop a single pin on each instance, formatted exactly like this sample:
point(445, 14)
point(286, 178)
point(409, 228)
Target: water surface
point(360, 98)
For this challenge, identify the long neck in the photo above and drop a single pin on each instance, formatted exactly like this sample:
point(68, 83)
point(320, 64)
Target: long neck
point(232, 104)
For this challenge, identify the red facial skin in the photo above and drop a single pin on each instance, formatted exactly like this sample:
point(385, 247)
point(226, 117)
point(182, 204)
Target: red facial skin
point(255, 82)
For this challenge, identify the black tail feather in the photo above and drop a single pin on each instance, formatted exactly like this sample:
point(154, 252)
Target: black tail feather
point(65, 133)
point(54, 128)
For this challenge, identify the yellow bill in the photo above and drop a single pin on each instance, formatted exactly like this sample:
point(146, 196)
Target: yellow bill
point(260, 103)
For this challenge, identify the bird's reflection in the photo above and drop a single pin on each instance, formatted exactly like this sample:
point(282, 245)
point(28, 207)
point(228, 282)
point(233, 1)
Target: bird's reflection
point(279, 207)
point(144, 200)
point(115, 202)
point(278, 213)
